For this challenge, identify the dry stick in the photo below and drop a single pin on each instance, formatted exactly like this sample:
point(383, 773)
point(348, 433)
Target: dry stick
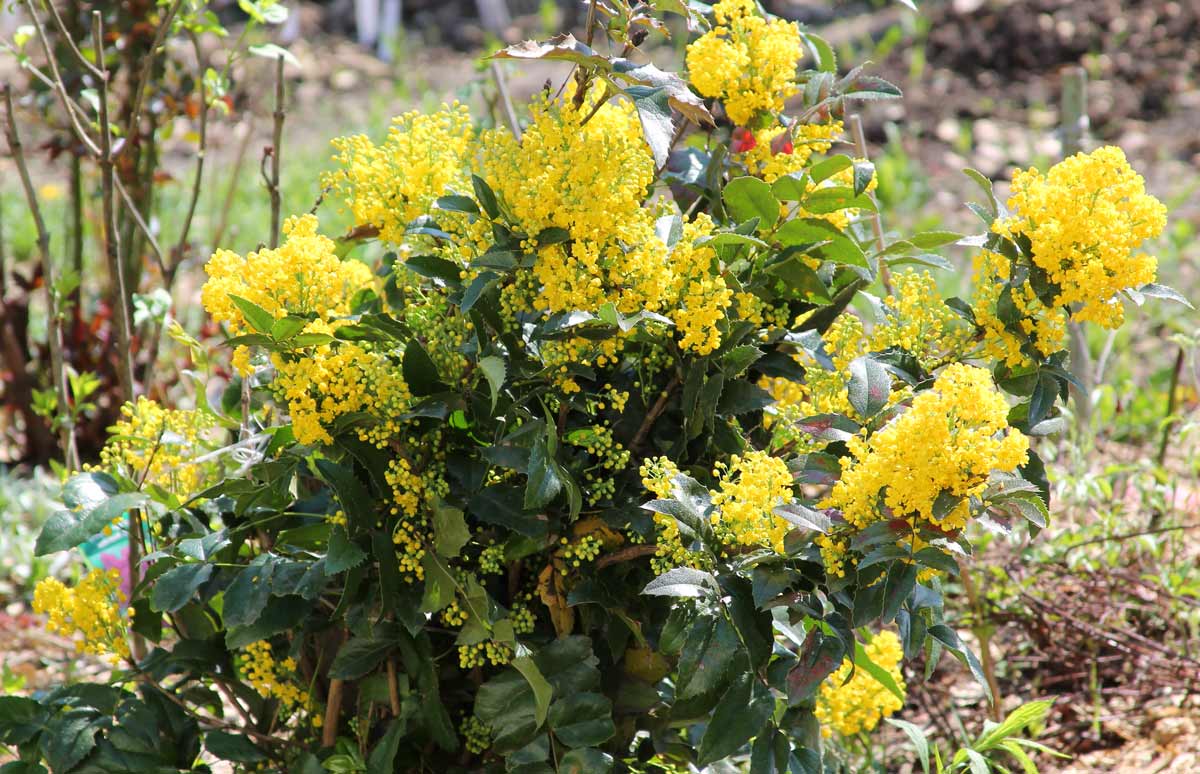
point(56, 82)
point(160, 36)
point(1169, 422)
point(1074, 127)
point(659, 406)
point(276, 152)
point(112, 254)
point(860, 147)
point(66, 431)
point(393, 687)
point(333, 708)
point(980, 629)
point(197, 179)
point(510, 112)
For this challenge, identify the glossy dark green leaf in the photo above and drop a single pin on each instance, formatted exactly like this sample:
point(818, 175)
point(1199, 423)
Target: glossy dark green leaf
point(259, 319)
point(232, 747)
point(67, 529)
point(750, 197)
point(869, 387)
point(582, 719)
point(742, 714)
point(175, 587)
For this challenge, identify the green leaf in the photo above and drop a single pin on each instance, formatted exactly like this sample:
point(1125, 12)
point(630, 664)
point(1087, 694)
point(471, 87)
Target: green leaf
point(823, 239)
point(737, 719)
point(502, 505)
point(352, 494)
point(541, 689)
point(585, 761)
point(287, 327)
point(683, 582)
point(869, 387)
point(1154, 290)
point(711, 661)
point(232, 747)
point(486, 197)
point(449, 530)
point(917, 737)
point(545, 481)
point(749, 197)
point(420, 373)
point(360, 655)
point(457, 203)
point(175, 587)
point(950, 639)
point(582, 719)
point(740, 397)
point(864, 172)
point(482, 283)
point(653, 106)
point(507, 704)
point(495, 371)
point(440, 585)
point(68, 739)
point(901, 579)
point(343, 552)
point(434, 267)
point(251, 589)
point(383, 757)
point(67, 529)
point(827, 168)
point(259, 319)
point(738, 359)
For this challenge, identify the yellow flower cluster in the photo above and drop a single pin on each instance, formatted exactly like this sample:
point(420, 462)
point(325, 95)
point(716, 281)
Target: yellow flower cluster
point(325, 382)
point(697, 296)
point(588, 178)
point(414, 493)
point(913, 318)
point(303, 276)
point(482, 653)
point(154, 445)
point(917, 320)
point(91, 613)
point(1045, 328)
point(750, 487)
point(950, 440)
point(579, 553)
point(610, 457)
point(658, 474)
point(274, 679)
point(857, 705)
point(779, 150)
point(424, 157)
point(746, 61)
point(1084, 219)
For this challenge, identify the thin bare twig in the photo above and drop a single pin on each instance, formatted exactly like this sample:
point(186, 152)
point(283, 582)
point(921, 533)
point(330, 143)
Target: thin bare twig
point(860, 148)
point(218, 235)
point(142, 225)
point(160, 35)
point(66, 431)
point(652, 415)
point(510, 113)
point(276, 152)
point(201, 152)
point(84, 62)
point(56, 81)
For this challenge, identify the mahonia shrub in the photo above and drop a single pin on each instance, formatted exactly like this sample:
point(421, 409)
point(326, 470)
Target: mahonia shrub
point(636, 452)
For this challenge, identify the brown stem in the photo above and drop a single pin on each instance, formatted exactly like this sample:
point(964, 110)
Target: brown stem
point(1169, 422)
point(393, 687)
point(860, 148)
point(55, 334)
point(276, 152)
point(112, 247)
point(198, 177)
point(333, 709)
point(57, 83)
point(652, 415)
point(218, 235)
point(980, 628)
point(147, 73)
point(510, 113)
point(626, 554)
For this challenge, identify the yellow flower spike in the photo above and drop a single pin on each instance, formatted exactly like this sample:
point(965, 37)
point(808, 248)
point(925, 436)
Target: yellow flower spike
point(857, 706)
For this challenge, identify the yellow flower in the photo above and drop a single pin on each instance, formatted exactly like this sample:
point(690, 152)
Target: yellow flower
point(1084, 221)
point(274, 679)
point(151, 444)
point(424, 157)
point(950, 440)
point(91, 612)
point(856, 706)
point(589, 179)
point(750, 487)
point(1045, 328)
point(746, 61)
